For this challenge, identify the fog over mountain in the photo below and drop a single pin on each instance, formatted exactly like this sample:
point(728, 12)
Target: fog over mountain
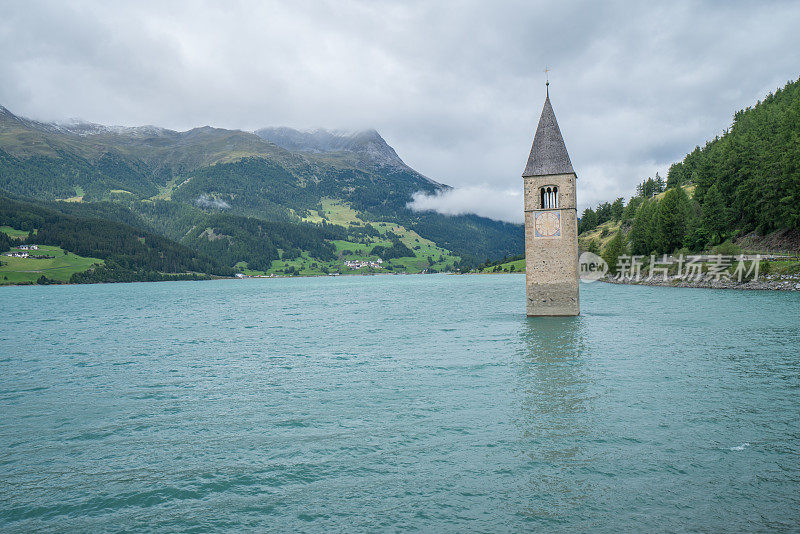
point(321, 140)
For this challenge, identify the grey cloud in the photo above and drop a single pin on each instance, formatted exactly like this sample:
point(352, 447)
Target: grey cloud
point(207, 201)
point(501, 205)
point(456, 87)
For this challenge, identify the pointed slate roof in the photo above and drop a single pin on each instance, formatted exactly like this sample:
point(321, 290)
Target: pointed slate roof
point(548, 153)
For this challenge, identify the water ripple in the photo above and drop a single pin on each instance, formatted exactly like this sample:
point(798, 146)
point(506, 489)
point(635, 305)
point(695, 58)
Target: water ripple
point(364, 404)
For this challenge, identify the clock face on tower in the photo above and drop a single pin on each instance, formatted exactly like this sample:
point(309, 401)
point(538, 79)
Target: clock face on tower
point(547, 224)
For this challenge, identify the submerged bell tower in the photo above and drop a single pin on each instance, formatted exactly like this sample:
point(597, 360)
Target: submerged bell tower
point(551, 222)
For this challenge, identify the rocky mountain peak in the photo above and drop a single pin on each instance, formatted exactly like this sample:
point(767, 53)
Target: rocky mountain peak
point(366, 143)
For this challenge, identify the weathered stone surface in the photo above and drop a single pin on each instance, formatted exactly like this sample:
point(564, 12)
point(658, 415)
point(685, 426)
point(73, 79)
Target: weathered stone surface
point(551, 272)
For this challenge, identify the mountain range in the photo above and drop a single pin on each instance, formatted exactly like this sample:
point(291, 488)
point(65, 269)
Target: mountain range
point(188, 186)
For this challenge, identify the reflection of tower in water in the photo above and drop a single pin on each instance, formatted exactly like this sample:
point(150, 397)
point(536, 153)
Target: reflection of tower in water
point(552, 416)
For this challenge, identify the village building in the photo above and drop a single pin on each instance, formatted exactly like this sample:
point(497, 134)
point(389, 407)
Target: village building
point(358, 264)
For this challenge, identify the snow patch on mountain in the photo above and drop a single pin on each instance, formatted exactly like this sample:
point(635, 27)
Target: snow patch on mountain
point(84, 129)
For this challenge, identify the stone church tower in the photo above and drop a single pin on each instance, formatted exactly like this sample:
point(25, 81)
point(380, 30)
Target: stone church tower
point(551, 223)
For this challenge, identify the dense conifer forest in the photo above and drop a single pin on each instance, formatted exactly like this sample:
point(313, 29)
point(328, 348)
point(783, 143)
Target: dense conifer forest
point(208, 201)
point(129, 253)
point(238, 197)
point(746, 180)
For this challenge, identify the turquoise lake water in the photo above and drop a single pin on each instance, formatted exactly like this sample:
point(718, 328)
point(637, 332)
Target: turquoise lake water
point(423, 403)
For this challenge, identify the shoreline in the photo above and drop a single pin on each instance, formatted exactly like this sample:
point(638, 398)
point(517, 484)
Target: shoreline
point(213, 278)
point(765, 283)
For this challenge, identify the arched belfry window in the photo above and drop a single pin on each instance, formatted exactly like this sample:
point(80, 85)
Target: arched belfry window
point(549, 197)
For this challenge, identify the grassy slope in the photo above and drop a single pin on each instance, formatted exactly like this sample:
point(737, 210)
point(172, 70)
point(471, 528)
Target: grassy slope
point(61, 267)
point(165, 191)
point(79, 193)
point(778, 242)
point(334, 212)
point(784, 267)
point(612, 227)
point(159, 166)
point(11, 232)
point(187, 150)
point(518, 265)
point(596, 234)
point(339, 213)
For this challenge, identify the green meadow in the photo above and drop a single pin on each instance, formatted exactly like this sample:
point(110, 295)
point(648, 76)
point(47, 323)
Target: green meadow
point(516, 266)
point(61, 267)
point(16, 234)
point(427, 255)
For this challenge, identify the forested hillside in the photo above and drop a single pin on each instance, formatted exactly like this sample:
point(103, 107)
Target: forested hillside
point(128, 253)
point(743, 183)
point(750, 177)
point(183, 185)
point(133, 249)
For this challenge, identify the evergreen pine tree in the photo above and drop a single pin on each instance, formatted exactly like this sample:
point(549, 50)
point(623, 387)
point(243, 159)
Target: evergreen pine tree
point(640, 231)
point(715, 214)
point(614, 249)
point(588, 220)
point(660, 184)
point(617, 208)
point(675, 175)
point(631, 207)
point(671, 216)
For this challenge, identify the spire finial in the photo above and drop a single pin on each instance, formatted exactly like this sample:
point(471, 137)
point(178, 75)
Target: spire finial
point(547, 80)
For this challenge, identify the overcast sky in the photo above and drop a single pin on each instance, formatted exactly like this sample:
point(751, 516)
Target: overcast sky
point(456, 87)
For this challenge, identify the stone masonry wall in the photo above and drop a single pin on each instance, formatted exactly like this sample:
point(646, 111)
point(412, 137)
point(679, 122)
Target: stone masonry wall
point(551, 274)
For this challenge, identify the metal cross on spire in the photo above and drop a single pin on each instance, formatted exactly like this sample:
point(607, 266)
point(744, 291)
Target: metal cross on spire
point(547, 80)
